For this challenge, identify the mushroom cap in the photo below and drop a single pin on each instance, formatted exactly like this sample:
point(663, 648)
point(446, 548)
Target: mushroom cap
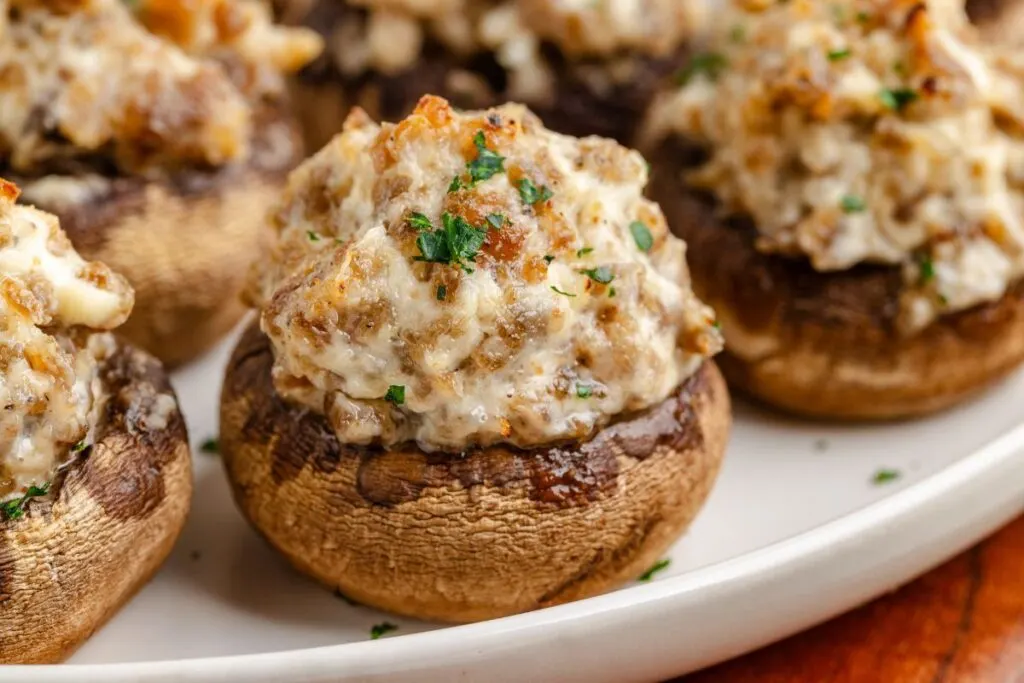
point(585, 100)
point(826, 344)
point(475, 535)
point(185, 242)
point(76, 556)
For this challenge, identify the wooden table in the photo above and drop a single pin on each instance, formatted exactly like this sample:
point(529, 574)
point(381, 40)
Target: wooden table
point(962, 623)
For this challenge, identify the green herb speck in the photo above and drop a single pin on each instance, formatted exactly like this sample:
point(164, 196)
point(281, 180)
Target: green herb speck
point(897, 98)
point(710, 64)
point(210, 446)
point(395, 394)
point(885, 476)
point(442, 292)
point(601, 274)
point(531, 195)
point(852, 203)
point(382, 629)
point(641, 235)
point(558, 291)
point(657, 567)
point(583, 391)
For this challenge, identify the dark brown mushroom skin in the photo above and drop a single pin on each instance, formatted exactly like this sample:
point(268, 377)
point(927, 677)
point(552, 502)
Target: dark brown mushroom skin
point(474, 535)
point(111, 520)
point(185, 239)
point(827, 344)
point(324, 95)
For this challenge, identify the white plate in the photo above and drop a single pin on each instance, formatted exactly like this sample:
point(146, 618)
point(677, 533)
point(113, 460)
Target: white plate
point(795, 532)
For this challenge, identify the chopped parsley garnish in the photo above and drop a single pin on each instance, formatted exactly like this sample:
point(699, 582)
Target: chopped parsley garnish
point(80, 447)
point(496, 220)
point(456, 242)
point(584, 251)
point(583, 391)
point(737, 33)
point(313, 237)
point(382, 629)
point(487, 163)
point(556, 289)
point(531, 195)
point(442, 292)
point(838, 55)
point(851, 203)
point(396, 394)
point(455, 185)
point(884, 476)
point(641, 235)
point(710, 64)
point(897, 98)
point(863, 17)
point(15, 509)
point(210, 446)
point(927, 270)
point(420, 222)
point(611, 292)
point(601, 274)
point(549, 258)
point(657, 567)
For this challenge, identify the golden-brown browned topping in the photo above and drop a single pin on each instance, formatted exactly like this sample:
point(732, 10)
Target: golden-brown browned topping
point(83, 79)
point(865, 131)
point(461, 279)
point(514, 31)
point(49, 300)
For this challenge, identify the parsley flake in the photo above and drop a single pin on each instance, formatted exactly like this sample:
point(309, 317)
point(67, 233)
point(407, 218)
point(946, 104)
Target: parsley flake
point(641, 235)
point(611, 292)
point(657, 567)
point(851, 203)
point(455, 243)
point(839, 55)
point(897, 98)
point(382, 629)
point(549, 258)
point(557, 290)
point(710, 64)
point(885, 476)
point(419, 221)
point(210, 446)
point(601, 274)
point(80, 447)
point(313, 237)
point(583, 391)
point(15, 509)
point(496, 220)
point(487, 163)
point(927, 270)
point(531, 195)
point(455, 185)
point(442, 292)
point(396, 394)
point(584, 251)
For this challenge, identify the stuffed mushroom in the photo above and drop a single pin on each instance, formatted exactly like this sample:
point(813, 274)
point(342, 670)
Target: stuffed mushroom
point(583, 67)
point(480, 383)
point(95, 476)
point(850, 177)
point(156, 131)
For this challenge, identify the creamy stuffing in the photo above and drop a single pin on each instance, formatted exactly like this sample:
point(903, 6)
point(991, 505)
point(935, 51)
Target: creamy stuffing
point(879, 131)
point(50, 302)
point(467, 279)
point(83, 79)
point(394, 33)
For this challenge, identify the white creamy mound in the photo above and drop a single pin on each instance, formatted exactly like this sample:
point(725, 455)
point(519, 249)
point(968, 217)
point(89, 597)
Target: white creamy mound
point(50, 299)
point(84, 78)
point(878, 131)
point(463, 279)
point(396, 31)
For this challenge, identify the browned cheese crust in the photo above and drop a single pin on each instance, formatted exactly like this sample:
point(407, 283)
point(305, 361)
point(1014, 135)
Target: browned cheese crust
point(471, 536)
point(826, 344)
point(323, 96)
point(184, 243)
point(69, 563)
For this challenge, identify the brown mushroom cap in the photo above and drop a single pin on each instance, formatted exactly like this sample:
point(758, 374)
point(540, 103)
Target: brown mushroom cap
point(185, 242)
point(464, 537)
point(583, 105)
point(826, 344)
point(72, 560)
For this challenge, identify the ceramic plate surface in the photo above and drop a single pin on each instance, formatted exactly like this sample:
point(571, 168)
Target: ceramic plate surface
point(797, 530)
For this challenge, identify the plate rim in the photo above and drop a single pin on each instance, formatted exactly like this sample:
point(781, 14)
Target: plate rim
point(355, 659)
